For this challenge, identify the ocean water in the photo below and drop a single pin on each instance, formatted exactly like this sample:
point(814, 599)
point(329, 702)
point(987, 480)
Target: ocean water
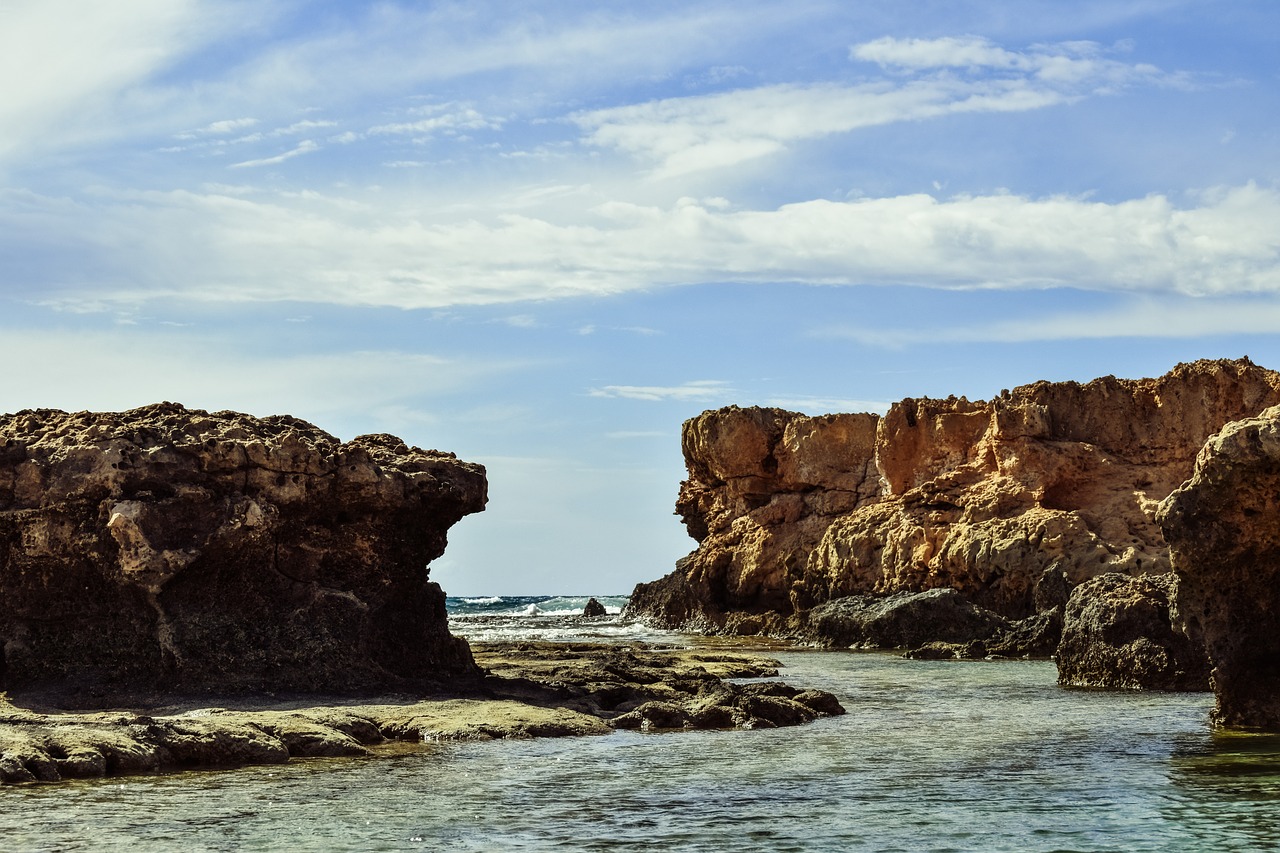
point(932, 756)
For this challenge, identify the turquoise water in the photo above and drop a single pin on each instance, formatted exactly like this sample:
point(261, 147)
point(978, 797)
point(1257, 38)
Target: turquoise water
point(932, 756)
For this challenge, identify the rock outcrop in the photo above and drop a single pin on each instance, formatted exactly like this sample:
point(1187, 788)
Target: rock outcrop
point(166, 549)
point(1223, 529)
point(529, 690)
point(1117, 632)
point(791, 511)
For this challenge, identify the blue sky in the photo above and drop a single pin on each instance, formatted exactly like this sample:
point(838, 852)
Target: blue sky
point(542, 235)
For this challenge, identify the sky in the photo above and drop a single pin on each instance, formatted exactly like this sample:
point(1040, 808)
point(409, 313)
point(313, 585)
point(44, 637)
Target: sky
point(542, 235)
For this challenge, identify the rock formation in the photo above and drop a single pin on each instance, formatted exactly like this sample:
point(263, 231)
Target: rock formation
point(1117, 632)
point(177, 550)
point(529, 690)
point(987, 498)
point(1223, 529)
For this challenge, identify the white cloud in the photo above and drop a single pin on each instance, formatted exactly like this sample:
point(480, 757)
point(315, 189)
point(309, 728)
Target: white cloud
point(441, 118)
point(684, 135)
point(703, 390)
point(222, 247)
point(64, 64)
point(304, 147)
point(689, 134)
point(218, 128)
point(303, 127)
point(1066, 64)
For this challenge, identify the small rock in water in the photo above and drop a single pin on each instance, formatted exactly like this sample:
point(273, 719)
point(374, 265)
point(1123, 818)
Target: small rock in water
point(594, 608)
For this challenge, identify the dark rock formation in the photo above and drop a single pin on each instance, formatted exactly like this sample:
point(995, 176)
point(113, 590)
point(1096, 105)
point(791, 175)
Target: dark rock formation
point(637, 687)
point(176, 550)
point(1223, 528)
point(1117, 633)
point(593, 609)
point(902, 620)
point(791, 511)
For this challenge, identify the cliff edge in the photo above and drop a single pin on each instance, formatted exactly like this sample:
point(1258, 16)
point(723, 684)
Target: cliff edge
point(167, 549)
point(995, 499)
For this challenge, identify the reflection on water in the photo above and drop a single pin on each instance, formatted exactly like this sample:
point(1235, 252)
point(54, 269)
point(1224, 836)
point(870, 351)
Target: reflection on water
point(932, 756)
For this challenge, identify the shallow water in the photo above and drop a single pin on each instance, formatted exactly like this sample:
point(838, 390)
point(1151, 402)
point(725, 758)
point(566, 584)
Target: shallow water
point(932, 756)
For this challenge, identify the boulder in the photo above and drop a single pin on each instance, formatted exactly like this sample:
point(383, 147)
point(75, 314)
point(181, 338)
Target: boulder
point(1223, 529)
point(902, 620)
point(1117, 632)
point(168, 549)
point(593, 609)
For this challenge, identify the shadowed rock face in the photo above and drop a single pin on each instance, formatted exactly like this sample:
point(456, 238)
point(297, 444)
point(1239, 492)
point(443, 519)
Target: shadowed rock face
point(791, 511)
point(1223, 528)
point(1117, 632)
point(172, 549)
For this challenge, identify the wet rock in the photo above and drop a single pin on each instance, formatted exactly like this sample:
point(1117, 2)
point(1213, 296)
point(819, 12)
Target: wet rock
point(1118, 633)
point(1223, 528)
point(652, 689)
point(593, 609)
point(168, 549)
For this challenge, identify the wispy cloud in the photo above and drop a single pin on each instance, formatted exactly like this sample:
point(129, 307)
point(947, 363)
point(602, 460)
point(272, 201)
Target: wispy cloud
point(704, 390)
point(689, 134)
point(304, 147)
point(219, 128)
point(441, 118)
point(1082, 64)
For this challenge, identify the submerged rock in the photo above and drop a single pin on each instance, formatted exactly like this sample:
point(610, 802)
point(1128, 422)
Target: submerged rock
point(1118, 633)
point(1223, 528)
point(791, 511)
point(167, 549)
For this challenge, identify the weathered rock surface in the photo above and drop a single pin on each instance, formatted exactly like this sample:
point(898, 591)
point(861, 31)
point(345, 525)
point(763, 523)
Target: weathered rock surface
point(637, 687)
point(791, 511)
point(530, 690)
point(1223, 528)
point(1118, 633)
point(172, 549)
point(902, 620)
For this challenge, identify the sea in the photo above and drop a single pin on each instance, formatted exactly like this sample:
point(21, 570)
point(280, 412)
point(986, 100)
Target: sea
point(931, 756)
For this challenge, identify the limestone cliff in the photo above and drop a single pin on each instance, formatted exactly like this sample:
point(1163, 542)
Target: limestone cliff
point(1223, 528)
point(987, 498)
point(172, 549)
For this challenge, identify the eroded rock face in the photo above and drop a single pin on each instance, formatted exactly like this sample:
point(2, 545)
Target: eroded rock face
point(1118, 633)
point(1223, 528)
point(791, 511)
point(172, 549)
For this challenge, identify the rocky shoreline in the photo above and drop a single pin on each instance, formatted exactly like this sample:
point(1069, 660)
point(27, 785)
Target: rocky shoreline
point(526, 690)
point(185, 589)
point(1127, 528)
